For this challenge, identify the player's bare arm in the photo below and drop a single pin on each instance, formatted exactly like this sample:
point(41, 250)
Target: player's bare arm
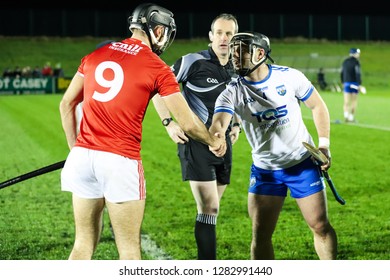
point(174, 130)
point(322, 122)
point(189, 122)
point(236, 129)
point(218, 127)
point(72, 97)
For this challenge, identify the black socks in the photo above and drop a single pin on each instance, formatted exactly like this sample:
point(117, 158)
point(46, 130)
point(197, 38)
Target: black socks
point(205, 236)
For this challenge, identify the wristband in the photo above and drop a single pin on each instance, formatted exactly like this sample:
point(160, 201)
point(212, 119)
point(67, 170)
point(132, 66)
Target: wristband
point(323, 142)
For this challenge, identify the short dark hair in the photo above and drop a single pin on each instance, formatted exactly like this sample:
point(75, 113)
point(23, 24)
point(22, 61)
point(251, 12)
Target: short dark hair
point(225, 16)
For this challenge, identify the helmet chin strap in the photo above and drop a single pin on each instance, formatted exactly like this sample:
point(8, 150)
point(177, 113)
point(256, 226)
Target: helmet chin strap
point(246, 71)
point(153, 40)
point(158, 45)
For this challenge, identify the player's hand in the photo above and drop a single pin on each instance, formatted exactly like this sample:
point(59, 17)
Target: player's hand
point(234, 134)
point(362, 89)
point(326, 152)
point(176, 133)
point(219, 146)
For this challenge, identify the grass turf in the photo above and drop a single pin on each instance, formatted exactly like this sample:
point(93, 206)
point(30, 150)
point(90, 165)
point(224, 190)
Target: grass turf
point(37, 221)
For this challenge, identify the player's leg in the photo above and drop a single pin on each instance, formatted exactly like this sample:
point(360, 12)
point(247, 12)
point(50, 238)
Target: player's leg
point(124, 190)
point(351, 91)
point(353, 102)
point(347, 105)
point(307, 187)
point(78, 177)
point(314, 211)
point(88, 224)
point(264, 212)
point(126, 219)
point(266, 195)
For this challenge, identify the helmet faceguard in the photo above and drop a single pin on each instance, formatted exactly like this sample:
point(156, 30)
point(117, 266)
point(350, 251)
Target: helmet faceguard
point(248, 43)
point(147, 17)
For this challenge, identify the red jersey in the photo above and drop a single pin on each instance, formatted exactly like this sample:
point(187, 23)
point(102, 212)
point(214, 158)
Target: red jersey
point(119, 81)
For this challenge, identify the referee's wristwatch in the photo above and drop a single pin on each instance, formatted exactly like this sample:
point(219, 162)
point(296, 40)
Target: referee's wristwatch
point(166, 121)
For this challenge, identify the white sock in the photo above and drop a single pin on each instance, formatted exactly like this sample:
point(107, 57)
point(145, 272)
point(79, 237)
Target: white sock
point(351, 118)
point(346, 114)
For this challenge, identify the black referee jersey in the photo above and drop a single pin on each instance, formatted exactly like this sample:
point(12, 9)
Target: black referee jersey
point(203, 78)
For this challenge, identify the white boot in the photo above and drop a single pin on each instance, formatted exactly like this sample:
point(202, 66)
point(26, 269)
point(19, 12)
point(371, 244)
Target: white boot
point(346, 115)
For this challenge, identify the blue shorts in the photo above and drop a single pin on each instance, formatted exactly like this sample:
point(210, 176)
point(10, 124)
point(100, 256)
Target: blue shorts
point(302, 180)
point(351, 88)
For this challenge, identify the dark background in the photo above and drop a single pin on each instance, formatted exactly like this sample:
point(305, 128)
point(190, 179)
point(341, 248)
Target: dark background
point(331, 20)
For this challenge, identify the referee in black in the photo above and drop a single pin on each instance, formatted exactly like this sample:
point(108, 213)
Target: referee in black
point(203, 76)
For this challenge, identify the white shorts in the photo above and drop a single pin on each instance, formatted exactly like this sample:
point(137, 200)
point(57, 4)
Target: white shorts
point(97, 174)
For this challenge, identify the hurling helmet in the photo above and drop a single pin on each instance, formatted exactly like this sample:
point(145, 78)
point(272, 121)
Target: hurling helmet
point(146, 17)
point(249, 42)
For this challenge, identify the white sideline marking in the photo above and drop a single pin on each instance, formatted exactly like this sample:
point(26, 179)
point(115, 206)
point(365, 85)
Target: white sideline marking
point(358, 124)
point(150, 248)
point(370, 126)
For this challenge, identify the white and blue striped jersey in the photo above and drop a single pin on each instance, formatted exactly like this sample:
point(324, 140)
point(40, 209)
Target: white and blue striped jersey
point(271, 115)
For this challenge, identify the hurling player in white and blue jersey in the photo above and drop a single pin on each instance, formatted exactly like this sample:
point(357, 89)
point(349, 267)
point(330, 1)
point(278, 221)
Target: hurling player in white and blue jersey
point(267, 99)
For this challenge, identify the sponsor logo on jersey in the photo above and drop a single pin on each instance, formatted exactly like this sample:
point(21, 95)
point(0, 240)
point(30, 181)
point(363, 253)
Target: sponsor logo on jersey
point(271, 114)
point(276, 125)
point(212, 81)
point(129, 49)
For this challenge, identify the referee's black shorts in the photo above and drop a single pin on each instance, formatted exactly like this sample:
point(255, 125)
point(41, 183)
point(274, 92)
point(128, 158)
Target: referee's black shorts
point(199, 164)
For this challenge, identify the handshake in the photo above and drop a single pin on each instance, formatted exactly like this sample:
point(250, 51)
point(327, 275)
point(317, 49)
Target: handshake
point(218, 147)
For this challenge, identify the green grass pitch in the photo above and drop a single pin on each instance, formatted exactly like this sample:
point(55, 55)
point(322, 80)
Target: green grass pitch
point(36, 220)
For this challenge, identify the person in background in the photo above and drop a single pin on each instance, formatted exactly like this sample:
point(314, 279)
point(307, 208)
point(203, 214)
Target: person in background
point(352, 84)
point(17, 72)
point(265, 98)
point(104, 165)
point(321, 79)
point(26, 72)
point(204, 75)
point(8, 73)
point(58, 71)
point(36, 72)
point(47, 70)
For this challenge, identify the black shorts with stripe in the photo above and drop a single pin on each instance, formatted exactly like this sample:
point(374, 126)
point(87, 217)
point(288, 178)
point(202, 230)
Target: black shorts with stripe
point(199, 164)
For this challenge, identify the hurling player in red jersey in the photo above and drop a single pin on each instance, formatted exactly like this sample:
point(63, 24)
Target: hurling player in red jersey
point(104, 167)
